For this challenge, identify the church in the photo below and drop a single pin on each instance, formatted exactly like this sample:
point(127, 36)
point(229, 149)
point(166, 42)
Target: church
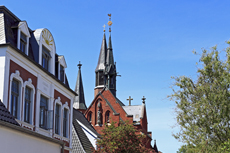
point(106, 107)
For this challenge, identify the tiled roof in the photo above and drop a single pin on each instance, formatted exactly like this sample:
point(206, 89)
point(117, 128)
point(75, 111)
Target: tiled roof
point(6, 116)
point(134, 110)
point(79, 117)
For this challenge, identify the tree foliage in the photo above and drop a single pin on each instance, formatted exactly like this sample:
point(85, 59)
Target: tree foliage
point(203, 105)
point(121, 139)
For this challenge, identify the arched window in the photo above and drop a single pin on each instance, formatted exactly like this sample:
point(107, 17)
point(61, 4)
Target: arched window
point(28, 102)
point(107, 117)
point(15, 94)
point(57, 120)
point(99, 119)
point(65, 121)
point(89, 117)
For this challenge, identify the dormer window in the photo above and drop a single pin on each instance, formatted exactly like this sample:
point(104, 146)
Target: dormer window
point(23, 42)
point(62, 73)
point(23, 37)
point(45, 58)
point(61, 68)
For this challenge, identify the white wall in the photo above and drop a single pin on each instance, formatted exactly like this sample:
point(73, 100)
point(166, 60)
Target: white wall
point(12, 141)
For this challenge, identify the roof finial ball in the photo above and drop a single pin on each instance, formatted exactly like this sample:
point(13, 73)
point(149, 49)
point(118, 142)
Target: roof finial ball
point(143, 100)
point(79, 65)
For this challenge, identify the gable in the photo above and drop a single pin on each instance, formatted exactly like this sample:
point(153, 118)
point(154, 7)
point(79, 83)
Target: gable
point(61, 60)
point(100, 95)
point(24, 28)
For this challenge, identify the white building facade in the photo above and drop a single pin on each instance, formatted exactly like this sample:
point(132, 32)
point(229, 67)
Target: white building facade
point(33, 85)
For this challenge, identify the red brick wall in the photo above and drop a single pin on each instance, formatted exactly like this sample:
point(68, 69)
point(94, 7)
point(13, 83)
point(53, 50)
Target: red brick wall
point(63, 98)
point(104, 108)
point(122, 114)
point(66, 151)
point(25, 75)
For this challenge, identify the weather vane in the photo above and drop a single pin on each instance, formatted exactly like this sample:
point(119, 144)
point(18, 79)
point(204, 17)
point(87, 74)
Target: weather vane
point(110, 22)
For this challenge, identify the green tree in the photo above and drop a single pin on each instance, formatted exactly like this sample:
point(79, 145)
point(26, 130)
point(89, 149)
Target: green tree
point(203, 105)
point(121, 139)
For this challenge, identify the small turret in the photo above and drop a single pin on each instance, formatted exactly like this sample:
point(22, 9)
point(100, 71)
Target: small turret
point(79, 101)
point(100, 69)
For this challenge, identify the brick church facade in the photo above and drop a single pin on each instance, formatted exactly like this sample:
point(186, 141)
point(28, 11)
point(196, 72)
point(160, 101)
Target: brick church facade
point(106, 107)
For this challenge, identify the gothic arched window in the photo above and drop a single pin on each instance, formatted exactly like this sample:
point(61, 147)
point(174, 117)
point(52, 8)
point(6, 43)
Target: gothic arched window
point(107, 117)
point(90, 117)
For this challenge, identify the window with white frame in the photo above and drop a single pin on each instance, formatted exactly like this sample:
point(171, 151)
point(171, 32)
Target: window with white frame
point(23, 37)
point(45, 58)
point(43, 112)
point(57, 118)
point(27, 108)
point(15, 98)
point(65, 122)
point(15, 94)
point(23, 42)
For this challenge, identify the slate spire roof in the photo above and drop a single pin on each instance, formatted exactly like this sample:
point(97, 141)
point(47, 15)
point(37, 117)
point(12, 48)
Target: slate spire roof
point(79, 101)
point(109, 58)
point(103, 55)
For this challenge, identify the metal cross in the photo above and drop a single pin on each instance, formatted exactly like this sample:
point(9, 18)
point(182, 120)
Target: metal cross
point(143, 99)
point(104, 27)
point(130, 100)
point(79, 65)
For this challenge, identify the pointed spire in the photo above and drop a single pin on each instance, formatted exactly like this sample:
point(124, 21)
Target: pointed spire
point(79, 101)
point(102, 56)
point(109, 58)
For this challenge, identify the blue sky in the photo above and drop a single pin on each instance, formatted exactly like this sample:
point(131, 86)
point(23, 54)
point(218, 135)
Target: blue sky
point(152, 41)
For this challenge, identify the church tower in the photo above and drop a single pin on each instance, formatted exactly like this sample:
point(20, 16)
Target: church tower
point(106, 68)
point(79, 101)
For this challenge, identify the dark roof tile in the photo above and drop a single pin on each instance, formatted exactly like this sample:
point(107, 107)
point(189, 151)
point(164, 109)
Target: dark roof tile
point(6, 116)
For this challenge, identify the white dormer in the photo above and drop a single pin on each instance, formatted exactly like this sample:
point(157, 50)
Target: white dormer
point(61, 68)
point(23, 37)
point(47, 49)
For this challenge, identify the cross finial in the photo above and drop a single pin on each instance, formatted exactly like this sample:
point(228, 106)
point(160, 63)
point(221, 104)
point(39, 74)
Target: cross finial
point(129, 99)
point(79, 65)
point(143, 99)
point(104, 27)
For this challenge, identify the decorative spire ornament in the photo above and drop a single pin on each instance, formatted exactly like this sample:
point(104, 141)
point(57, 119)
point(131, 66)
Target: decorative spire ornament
point(143, 99)
point(104, 27)
point(79, 65)
point(110, 22)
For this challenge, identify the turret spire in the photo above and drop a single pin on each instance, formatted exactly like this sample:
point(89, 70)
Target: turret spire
point(79, 101)
point(106, 69)
point(103, 53)
point(110, 73)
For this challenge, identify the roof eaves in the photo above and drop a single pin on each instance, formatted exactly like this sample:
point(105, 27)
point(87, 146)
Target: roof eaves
point(9, 12)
